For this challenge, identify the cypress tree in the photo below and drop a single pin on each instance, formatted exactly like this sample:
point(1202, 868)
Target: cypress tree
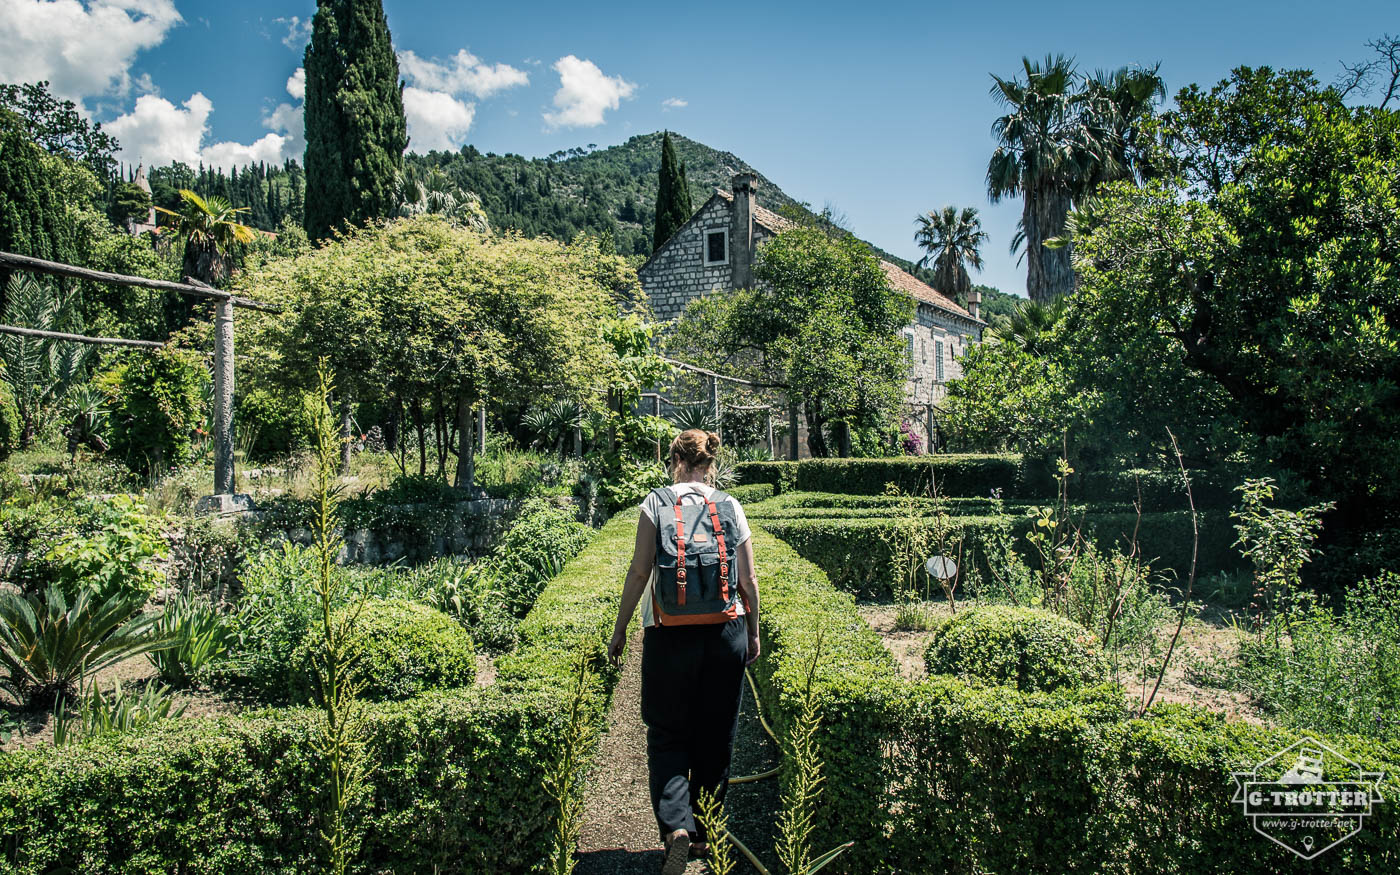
point(672, 195)
point(355, 128)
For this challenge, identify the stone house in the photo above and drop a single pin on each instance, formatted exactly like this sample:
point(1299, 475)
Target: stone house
point(716, 249)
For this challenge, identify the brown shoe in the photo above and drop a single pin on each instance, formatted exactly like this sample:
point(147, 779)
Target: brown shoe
point(677, 854)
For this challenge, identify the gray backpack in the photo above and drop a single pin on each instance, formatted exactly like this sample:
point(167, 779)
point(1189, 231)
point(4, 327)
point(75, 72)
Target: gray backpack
point(697, 568)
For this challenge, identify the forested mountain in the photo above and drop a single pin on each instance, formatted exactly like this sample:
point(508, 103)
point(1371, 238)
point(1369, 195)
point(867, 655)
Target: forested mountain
point(608, 191)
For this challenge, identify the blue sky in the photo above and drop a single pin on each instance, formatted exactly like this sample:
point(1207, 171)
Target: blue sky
point(880, 109)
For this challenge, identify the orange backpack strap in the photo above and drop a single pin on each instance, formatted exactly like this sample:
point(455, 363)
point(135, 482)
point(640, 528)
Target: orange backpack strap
point(680, 555)
point(723, 550)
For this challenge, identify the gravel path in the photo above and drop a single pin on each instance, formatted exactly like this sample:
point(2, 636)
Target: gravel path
point(619, 835)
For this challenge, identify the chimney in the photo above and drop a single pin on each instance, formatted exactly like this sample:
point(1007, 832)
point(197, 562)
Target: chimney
point(741, 240)
point(974, 303)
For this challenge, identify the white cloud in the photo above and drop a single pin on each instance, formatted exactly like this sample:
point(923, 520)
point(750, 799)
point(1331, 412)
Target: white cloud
point(296, 84)
point(156, 131)
point(270, 148)
point(674, 103)
point(84, 49)
point(436, 119)
point(298, 32)
point(585, 94)
point(463, 73)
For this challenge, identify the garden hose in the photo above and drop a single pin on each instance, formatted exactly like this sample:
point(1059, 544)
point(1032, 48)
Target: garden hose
point(747, 779)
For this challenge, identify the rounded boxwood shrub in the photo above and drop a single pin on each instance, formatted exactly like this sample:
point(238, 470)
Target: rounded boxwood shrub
point(399, 648)
point(1028, 648)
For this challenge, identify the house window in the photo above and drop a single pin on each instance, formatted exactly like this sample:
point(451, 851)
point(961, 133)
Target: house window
point(715, 249)
point(938, 360)
point(923, 351)
point(909, 347)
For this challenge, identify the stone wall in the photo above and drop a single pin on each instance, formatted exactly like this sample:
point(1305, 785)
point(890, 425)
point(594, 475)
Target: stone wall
point(466, 529)
point(677, 273)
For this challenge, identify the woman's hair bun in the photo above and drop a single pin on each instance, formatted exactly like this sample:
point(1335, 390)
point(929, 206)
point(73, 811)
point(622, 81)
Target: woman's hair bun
point(695, 447)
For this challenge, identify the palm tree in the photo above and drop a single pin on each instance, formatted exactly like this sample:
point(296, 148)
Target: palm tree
point(1062, 136)
point(211, 231)
point(952, 240)
point(435, 193)
point(1030, 325)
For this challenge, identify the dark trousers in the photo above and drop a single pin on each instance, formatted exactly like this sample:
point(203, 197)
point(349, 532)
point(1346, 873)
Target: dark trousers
point(692, 684)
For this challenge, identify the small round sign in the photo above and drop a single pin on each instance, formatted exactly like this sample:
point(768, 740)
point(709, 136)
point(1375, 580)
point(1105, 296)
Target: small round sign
point(941, 567)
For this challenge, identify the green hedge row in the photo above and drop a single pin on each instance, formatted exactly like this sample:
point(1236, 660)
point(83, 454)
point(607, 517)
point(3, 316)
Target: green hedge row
point(852, 554)
point(956, 778)
point(977, 476)
point(752, 493)
point(957, 475)
point(456, 785)
point(856, 681)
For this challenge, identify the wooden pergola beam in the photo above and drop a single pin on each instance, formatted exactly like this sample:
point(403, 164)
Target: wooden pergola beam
point(79, 338)
point(53, 268)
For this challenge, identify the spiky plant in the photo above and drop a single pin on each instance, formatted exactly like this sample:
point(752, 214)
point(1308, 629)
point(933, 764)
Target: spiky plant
point(48, 645)
point(212, 232)
point(688, 416)
point(39, 369)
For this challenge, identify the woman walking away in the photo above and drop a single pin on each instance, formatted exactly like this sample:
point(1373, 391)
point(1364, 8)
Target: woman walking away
point(693, 572)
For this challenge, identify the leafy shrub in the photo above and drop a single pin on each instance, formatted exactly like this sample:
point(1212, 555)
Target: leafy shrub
point(625, 482)
point(156, 403)
point(1027, 648)
point(541, 538)
point(509, 473)
point(199, 636)
point(48, 644)
point(273, 423)
point(1331, 671)
point(399, 649)
point(751, 494)
point(98, 715)
point(9, 421)
point(114, 551)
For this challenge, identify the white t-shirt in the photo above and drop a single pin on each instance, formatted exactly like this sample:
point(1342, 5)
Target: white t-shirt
point(686, 493)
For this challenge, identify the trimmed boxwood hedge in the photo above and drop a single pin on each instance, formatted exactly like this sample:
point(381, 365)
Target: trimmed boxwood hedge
point(940, 776)
point(400, 649)
point(1030, 649)
point(960, 475)
point(850, 551)
point(752, 493)
point(977, 475)
point(856, 680)
point(457, 783)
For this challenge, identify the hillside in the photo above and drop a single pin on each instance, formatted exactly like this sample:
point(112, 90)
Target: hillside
point(608, 191)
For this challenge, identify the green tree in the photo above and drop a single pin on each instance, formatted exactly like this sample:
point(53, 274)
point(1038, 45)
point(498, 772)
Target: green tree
point(1062, 135)
point(952, 241)
point(1011, 399)
point(130, 203)
point(212, 234)
point(673, 205)
point(824, 324)
point(58, 127)
point(40, 197)
point(1276, 290)
point(355, 128)
point(433, 315)
point(40, 370)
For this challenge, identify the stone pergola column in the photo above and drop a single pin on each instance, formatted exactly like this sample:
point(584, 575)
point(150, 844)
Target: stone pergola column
point(223, 398)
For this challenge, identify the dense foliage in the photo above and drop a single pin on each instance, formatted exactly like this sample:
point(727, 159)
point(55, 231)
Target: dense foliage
point(673, 204)
point(355, 128)
point(156, 403)
point(824, 324)
point(1026, 648)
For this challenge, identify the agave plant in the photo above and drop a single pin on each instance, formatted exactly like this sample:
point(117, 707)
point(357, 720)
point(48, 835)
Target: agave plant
point(86, 412)
point(48, 646)
point(553, 424)
point(688, 416)
point(198, 636)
